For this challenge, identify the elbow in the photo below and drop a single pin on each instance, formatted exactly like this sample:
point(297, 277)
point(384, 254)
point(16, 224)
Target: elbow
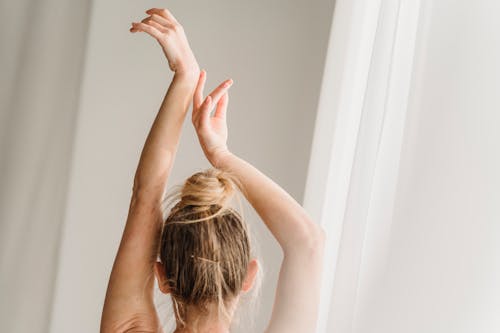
point(321, 234)
point(310, 242)
point(314, 245)
point(314, 234)
point(317, 238)
point(147, 192)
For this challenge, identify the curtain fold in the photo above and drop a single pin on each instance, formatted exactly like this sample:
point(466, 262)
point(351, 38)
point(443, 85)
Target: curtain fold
point(354, 166)
point(41, 62)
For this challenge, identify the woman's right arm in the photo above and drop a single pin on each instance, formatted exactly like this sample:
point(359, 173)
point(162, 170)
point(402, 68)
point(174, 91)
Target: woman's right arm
point(302, 241)
point(298, 290)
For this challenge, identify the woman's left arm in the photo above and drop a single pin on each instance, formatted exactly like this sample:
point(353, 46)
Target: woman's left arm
point(129, 296)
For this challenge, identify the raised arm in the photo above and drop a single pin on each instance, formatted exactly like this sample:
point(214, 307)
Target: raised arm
point(129, 297)
point(161, 144)
point(297, 295)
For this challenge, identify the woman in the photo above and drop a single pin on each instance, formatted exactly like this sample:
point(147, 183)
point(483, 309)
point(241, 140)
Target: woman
point(203, 244)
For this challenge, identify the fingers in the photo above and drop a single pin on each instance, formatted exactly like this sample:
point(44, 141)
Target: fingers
point(203, 113)
point(202, 108)
point(163, 12)
point(160, 20)
point(205, 109)
point(198, 102)
point(198, 92)
point(220, 90)
point(154, 24)
point(147, 28)
point(155, 18)
point(156, 21)
point(220, 111)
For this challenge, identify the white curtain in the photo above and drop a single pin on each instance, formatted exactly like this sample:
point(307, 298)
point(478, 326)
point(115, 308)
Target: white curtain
point(41, 54)
point(404, 172)
point(357, 144)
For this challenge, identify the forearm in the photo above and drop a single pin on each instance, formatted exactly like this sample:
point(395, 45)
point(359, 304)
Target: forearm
point(286, 218)
point(161, 144)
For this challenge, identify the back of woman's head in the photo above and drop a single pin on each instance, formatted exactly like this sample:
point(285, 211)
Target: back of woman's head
point(205, 245)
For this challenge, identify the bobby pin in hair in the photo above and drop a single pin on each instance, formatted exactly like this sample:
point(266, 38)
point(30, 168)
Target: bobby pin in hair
point(206, 259)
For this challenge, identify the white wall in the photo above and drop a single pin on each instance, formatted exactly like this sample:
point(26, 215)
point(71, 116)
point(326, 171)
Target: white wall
point(442, 268)
point(274, 51)
point(39, 88)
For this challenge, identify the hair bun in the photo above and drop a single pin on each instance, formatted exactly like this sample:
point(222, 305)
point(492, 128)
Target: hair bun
point(207, 188)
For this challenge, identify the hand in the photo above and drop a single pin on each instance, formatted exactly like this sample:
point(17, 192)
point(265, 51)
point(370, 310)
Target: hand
point(211, 130)
point(162, 26)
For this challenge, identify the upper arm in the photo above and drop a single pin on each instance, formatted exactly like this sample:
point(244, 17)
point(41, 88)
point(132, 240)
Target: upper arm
point(129, 297)
point(297, 294)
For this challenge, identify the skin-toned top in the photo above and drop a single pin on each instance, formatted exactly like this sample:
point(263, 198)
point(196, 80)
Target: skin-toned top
point(129, 305)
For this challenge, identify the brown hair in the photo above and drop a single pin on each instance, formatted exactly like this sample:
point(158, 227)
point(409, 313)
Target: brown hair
point(204, 245)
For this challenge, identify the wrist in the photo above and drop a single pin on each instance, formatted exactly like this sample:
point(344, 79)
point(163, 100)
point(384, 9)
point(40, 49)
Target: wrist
point(220, 159)
point(188, 80)
point(191, 72)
